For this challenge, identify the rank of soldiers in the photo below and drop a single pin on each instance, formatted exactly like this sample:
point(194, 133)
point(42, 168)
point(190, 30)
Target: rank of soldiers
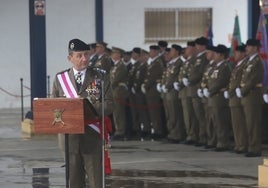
point(194, 95)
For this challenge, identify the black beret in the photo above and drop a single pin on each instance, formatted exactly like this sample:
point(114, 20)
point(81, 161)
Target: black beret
point(127, 52)
point(77, 45)
point(162, 43)
point(108, 50)
point(190, 43)
point(92, 45)
point(201, 41)
point(253, 42)
point(222, 49)
point(176, 47)
point(101, 43)
point(144, 52)
point(211, 48)
point(136, 50)
point(154, 47)
point(241, 48)
point(167, 49)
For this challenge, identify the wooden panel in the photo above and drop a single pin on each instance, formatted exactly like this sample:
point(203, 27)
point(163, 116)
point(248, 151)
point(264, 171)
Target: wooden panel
point(58, 115)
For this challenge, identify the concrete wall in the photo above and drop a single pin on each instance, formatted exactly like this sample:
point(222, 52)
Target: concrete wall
point(67, 19)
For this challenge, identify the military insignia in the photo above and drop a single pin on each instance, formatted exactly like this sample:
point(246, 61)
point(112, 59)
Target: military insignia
point(72, 46)
point(138, 74)
point(198, 62)
point(249, 68)
point(215, 74)
point(172, 69)
point(57, 117)
point(94, 89)
point(98, 64)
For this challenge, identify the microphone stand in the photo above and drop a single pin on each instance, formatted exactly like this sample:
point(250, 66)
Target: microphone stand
point(103, 129)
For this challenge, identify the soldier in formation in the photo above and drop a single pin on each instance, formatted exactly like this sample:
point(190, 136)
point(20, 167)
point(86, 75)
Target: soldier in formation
point(189, 95)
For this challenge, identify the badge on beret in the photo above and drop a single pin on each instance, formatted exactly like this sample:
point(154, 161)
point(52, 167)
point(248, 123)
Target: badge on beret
point(72, 46)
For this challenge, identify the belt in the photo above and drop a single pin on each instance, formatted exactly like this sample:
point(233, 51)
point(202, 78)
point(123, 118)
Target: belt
point(257, 85)
point(122, 84)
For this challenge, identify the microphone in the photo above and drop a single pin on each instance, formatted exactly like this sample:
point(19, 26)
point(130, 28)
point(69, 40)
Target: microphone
point(102, 71)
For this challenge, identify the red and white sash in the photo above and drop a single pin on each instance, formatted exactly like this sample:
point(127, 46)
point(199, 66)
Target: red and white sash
point(67, 85)
point(70, 92)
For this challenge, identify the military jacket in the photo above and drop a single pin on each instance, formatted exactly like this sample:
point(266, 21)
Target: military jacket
point(172, 73)
point(118, 79)
point(234, 83)
point(184, 73)
point(91, 89)
point(154, 74)
point(251, 82)
point(208, 71)
point(217, 84)
point(104, 62)
point(196, 72)
point(132, 74)
point(140, 76)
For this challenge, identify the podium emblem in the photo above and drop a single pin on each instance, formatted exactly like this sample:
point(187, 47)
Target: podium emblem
point(57, 116)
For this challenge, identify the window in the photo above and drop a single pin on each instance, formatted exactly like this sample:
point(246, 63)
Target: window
point(176, 25)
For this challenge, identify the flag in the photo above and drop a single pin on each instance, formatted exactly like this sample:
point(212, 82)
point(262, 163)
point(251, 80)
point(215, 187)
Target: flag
point(236, 39)
point(209, 35)
point(261, 35)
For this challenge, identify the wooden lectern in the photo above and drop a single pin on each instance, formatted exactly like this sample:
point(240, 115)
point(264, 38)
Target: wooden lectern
point(62, 115)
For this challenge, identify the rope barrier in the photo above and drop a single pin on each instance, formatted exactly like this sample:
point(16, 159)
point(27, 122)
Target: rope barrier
point(26, 87)
point(11, 94)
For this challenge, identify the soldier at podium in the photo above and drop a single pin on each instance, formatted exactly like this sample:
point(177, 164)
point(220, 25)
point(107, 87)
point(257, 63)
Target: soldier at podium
point(85, 150)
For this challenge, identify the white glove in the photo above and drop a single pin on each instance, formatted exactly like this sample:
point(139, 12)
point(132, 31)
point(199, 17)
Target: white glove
point(158, 87)
point(176, 86)
point(164, 89)
point(206, 92)
point(133, 90)
point(185, 81)
point(238, 92)
point(226, 94)
point(200, 93)
point(143, 90)
point(265, 98)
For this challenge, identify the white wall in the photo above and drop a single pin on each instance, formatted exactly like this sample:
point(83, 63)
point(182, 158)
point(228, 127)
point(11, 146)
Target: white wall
point(124, 21)
point(67, 19)
point(14, 50)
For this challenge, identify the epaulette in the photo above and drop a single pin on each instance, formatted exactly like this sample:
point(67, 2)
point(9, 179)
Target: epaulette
point(258, 58)
point(67, 70)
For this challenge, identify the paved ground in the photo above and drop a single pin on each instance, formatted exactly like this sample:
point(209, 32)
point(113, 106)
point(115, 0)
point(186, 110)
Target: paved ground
point(36, 162)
